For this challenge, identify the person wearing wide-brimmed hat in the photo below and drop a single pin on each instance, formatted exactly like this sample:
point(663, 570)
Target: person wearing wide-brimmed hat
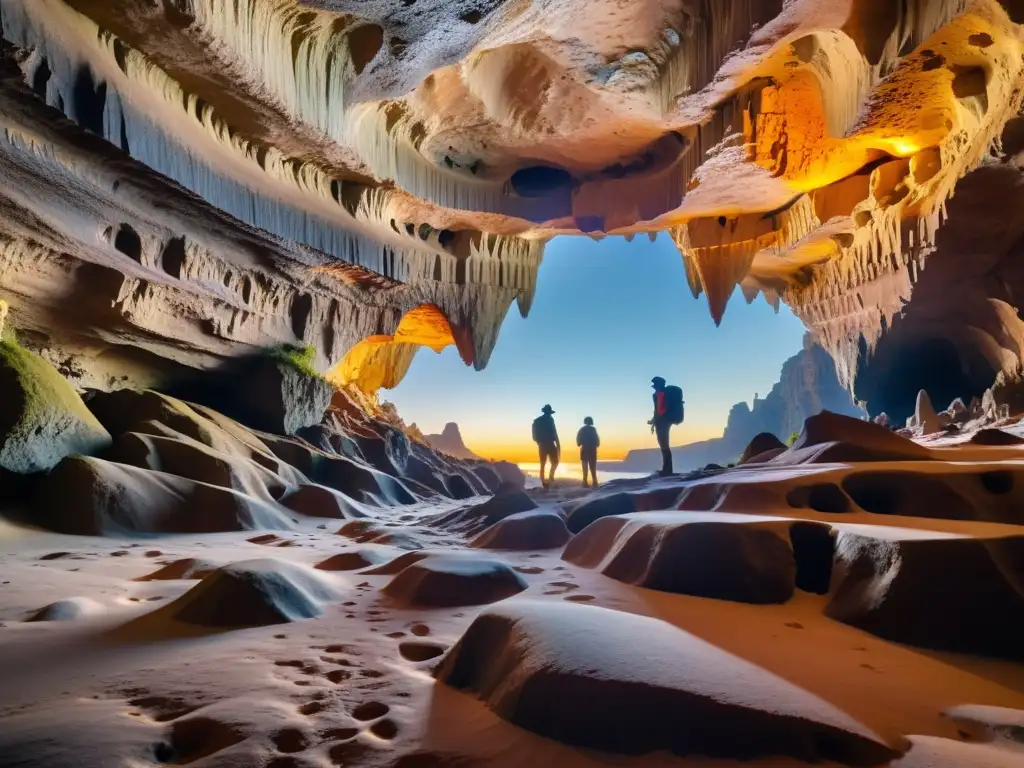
point(546, 437)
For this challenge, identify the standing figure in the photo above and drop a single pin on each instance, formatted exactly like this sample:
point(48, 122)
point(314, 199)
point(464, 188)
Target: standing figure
point(588, 441)
point(546, 437)
point(668, 411)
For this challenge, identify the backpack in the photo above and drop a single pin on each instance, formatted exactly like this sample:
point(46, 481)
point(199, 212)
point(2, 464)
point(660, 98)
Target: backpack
point(543, 429)
point(674, 411)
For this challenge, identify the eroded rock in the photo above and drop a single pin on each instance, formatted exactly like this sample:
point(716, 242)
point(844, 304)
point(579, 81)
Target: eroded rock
point(603, 679)
point(42, 419)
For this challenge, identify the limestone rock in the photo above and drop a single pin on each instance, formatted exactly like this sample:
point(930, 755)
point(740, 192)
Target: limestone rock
point(885, 580)
point(92, 497)
point(271, 393)
point(605, 504)
point(830, 437)
point(318, 501)
point(42, 418)
point(602, 679)
point(925, 417)
point(67, 610)
point(474, 519)
point(721, 556)
point(451, 580)
point(525, 531)
point(254, 593)
point(995, 437)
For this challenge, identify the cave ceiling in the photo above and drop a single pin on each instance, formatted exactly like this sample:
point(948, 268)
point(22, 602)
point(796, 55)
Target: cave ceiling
point(186, 180)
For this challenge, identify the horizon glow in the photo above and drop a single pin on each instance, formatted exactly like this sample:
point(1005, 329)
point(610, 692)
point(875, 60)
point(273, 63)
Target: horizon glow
point(606, 318)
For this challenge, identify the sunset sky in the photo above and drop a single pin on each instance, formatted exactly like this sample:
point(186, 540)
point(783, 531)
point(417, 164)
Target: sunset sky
point(607, 317)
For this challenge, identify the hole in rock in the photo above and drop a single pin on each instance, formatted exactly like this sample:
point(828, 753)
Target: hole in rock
point(471, 17)
point(822, 497)
point(998, 482)
point(128, 242)
point(981, 39)
point(813, 550)
point(172, 259)
point(41, 78)
point(909, 494)
point(539, 180)
point(89, 100)
point(364, 43)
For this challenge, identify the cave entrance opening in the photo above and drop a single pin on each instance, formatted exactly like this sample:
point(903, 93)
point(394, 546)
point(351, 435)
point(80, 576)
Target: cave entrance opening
point(890, 379)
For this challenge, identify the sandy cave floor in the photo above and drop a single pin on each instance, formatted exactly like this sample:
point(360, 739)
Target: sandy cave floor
point(353, 687)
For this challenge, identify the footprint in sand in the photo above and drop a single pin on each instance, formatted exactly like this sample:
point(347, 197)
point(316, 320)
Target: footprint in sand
point(385, 729)
point(338, 676)
point(414, 651)
point(561, 587)
point(370, 710)
point(348, 752)
point(311, 708)
point(290, 740)
point(266, 538)
point(580, 598)
point(529, 570)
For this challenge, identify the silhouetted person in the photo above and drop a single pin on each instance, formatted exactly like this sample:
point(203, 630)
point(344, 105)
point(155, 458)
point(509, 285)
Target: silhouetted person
point(668, 411)
point(588, 441)
point(546, 437)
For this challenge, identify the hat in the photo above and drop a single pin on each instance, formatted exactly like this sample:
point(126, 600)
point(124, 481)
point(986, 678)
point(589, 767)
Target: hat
point(589, 421)
point(658, 381)
point(547, 409)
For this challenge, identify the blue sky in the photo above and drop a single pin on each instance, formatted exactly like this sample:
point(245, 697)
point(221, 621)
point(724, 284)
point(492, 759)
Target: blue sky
point(607, 316)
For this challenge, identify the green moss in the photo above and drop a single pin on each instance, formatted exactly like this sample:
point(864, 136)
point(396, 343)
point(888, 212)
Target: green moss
point(793, 437)
point(300, 358)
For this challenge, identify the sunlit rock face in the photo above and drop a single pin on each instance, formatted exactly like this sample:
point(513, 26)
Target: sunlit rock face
point(186, 180)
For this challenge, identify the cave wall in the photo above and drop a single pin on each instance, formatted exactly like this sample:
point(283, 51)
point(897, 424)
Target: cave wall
point(190, 180)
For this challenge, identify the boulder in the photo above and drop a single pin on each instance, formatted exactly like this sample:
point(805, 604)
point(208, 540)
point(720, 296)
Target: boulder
point(716, 555)
point(474, 519)
point(602, 679)
point(594, 508)
point(42, 418)
point(525, 530)
point(319, 501)
point(939, 591)
point(93, 497)
point(254, 593)
point(882, 420)
point(997, 437)
point(67, 610)
point(353, 561)
point(440, 580)
point(185, 568)
point(761, 444)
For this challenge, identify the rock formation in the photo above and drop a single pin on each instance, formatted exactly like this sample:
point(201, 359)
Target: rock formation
point(450, 442)
point(188, 181)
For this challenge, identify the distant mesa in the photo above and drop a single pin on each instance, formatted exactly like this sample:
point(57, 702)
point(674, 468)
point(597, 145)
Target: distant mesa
point(450, 442)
